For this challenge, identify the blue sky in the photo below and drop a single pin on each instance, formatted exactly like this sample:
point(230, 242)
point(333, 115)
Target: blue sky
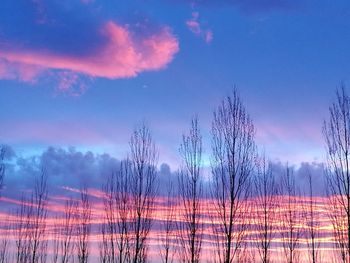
point(68, 77)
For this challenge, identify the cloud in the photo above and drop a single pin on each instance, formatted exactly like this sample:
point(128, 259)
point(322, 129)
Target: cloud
point(19, 71)
point(208, 36)
point(64, 167)
point(193, 24)
point(196, 28)
point(120, 56)
point(9, 153)
point(71, 83)
point(316, 170)
point(72, 41)
point(67, 168)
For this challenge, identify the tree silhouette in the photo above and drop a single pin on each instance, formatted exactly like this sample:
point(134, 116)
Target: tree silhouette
point(290, 217)
point(266, 204)
point(143, 157)
point(83, 227)
point(336, 132)
point(190, 190)
point(233, 161)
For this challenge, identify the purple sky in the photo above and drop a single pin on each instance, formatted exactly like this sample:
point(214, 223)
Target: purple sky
point(86, 73)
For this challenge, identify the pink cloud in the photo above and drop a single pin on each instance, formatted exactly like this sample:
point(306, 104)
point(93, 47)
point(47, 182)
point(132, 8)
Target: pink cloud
point(121, 56)
point(196, 28)
point(208, 36)
point(19, 71)
point(71, 84)
point(193, 24)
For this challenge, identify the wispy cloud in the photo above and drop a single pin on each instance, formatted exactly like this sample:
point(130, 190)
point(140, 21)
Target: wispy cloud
point(194, 25)
point(70, 83)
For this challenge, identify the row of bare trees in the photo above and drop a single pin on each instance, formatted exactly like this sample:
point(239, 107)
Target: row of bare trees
point(245, 211)
point(129, 200)
point(69, 235)
point(30, 225)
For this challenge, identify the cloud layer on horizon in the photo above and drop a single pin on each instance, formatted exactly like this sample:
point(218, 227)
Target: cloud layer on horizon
point(73, 169)
point(65, 168)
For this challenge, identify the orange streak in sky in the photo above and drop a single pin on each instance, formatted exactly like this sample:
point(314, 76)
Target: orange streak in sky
point(56, 208)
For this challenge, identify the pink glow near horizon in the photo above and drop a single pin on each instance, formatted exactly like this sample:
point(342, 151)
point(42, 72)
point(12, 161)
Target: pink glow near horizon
point(56, 210)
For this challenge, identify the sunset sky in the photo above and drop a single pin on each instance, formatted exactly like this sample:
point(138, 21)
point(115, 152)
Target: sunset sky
point(78, 76)
point(85, 73)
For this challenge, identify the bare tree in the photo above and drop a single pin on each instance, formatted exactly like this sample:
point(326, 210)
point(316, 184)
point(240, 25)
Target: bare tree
point(336, 132)
point(167, 227)
point(56, 238)
point(290, 217)
point(2, 167)
point(233, 156)
point(21, 228)
point(38, 221)
point(266, 202)
point(246, 254)
point(83, 226)
point(103, 246)
point(30, 227)
point(143, 156)
point(4, 242)
point(190, 189)
point(116, 227)
point(66, 242)
point(312, 224)
point(4, 253)
point(338, 219)
point(122, 202)
point(4, 245)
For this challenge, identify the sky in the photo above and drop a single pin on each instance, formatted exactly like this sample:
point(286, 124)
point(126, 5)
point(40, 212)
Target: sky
point(85, 73)
point(78, 76)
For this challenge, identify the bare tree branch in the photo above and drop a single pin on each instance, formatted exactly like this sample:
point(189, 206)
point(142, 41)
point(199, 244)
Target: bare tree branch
point(115, 230)
point(66, 232)
point(291, 217)
point(143, 158)
point(167, 249)
point(336, 132)
point(312, 223)
point(190, 189)
point(2, 167)
point(233, 156)
point(83, 228)
point(266, 202)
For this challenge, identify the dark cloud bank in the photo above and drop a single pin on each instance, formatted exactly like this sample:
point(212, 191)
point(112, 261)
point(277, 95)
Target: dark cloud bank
point(73, 168)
